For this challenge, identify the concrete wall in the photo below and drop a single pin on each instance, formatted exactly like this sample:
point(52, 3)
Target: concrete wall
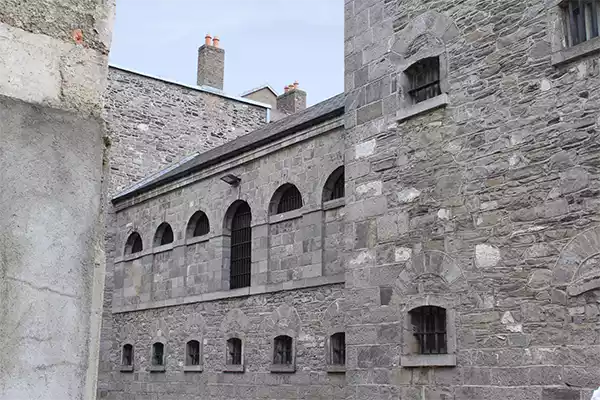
point(154, 123)
point(51, 151)
point(483, 202)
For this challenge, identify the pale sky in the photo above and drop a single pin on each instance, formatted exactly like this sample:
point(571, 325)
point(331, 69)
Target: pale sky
point(265, 41)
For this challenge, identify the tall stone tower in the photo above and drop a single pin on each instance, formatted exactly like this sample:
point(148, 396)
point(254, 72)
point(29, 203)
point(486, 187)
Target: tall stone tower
point(472, 198)
point(52, 75)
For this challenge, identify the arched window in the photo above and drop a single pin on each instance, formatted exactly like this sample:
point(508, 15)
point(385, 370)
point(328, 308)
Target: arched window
point(429, 328)
point(164, 235)
point(127, 356)
point(241, 247)
point(192, 351)
point(424, 79)
point(286, 198)
point(334, 187)
point(198, 225)
point(158, 354)
point(282, 350)
point(133, 244)
point(337, 346)
point(234, 351)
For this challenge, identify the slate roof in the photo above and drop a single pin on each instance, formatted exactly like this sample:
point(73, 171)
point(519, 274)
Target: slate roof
point(328, 109)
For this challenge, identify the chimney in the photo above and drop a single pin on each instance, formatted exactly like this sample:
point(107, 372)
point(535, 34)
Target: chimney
point(292, 100)
point(211, 63)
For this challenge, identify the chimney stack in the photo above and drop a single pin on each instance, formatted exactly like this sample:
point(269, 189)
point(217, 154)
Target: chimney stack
point(211, 63)
point(292, 100)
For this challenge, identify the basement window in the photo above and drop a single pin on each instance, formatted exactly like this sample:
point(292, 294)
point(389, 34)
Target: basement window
point(424, 79)
point(581, 20)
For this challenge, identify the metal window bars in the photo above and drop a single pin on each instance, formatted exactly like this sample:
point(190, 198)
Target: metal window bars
point(581, 20)
point(429, 323)
point(291, 199)
point(283, 350)
point(424, 76)
point(241, 248)
point(338, 188)
point(202, 227)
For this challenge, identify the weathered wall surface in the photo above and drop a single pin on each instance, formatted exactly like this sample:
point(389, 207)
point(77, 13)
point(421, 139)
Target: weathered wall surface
point(153, 124)
point(51, 163)
point(487, 207)
point(255, 319)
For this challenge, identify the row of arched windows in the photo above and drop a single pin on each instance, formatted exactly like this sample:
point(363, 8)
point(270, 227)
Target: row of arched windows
point(283, 352)
point(238, 221)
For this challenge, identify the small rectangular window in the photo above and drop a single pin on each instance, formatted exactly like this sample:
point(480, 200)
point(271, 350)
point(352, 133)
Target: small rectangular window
point(193, 352)
point(338, 348)
point(581, 20)
point(429, 327)
point(127, 355)
point(283, 350)
point(158, 352)
point(424, 79)
point(234, 351)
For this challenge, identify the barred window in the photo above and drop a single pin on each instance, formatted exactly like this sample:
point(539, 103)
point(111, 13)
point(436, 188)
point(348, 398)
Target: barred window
point(334, 187)
point(158, 353)
point(282, 353)
point(127, 358)
point(234, 351)
point(198, 225)
point(290, 199)
point(581, 20)
point(192, 353)
point(241, 247)
point(424, 79)
point(133, 244)
point(338, 348)
point(164, 235)
point(429, 328)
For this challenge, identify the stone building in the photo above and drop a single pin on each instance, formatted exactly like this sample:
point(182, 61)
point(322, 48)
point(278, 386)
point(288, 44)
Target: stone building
point(430, 234)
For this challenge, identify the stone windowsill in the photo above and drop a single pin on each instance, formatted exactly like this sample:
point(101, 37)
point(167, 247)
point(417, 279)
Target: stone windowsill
point(193, 368)
point(157, 368)
point(234, 368)
point(163, 248)
point(273, 219)
point(336, 369)
point(283, 368)
point(571, 53)
point(126, 368)
point(336, 203)
point(422, 107)
point(133, 256)
point(197, 239)
point(429, 360)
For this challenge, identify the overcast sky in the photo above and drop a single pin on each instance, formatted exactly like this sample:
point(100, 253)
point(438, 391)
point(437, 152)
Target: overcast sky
point(265, 41)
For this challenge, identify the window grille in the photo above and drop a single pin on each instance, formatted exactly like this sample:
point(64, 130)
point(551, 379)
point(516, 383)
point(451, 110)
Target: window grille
point(429, 324)
point(338, 188)
point(424, 77)
point(158, 352)
point(193, 352)
point(164, 235)
point(338, 348)
point(198, 225)
point(133, 244)
point(127, 355)
point(282, 350)
point(241, 248)
point(291, 199)
point(234, 351)
point(581, 20)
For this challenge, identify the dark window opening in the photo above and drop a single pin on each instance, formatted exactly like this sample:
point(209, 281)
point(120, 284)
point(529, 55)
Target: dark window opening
point(241, 247)
point(198, 225)
point(429, 328)
point(291, 199)
point(133, 244)
point(581, 20)
point(234, 351)
point(334, 187)
point(164, 235)
point(424, 79)
point(127, 359)
point(338, 188)
point(158, 352)
point(338, 348)
point(193, 353)
point(282, 353)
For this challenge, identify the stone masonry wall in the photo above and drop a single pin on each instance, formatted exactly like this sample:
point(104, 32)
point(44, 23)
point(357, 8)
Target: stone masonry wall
point(153, 124)
point(255, 320)
point(486, 205)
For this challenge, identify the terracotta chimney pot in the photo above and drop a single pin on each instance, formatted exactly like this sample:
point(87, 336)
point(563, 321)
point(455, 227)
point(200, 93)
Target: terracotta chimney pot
point(207, 39)
point(285, 89)
point(296, 84)
point(216, 41)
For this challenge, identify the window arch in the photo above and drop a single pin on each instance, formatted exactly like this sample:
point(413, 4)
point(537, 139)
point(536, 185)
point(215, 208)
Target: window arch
point(133, 244)
point(429, 329)
point(127, 355)
point(241, 245)
point(283, 350)
point(334, 186)
point(286, 198)
point(198, 225)
point(164, 235)
point(192, 353)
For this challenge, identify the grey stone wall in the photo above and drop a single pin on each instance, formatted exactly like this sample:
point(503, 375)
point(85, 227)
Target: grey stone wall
point(255, 320)
point(153, 123)
point(483, 201)
point(52, 155)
